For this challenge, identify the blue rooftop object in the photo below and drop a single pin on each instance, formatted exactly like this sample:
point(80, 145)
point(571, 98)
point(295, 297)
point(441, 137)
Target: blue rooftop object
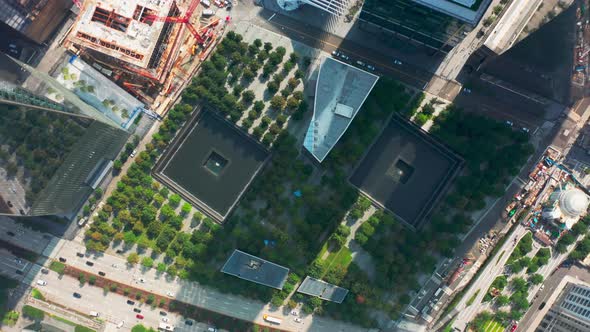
point(341, 90)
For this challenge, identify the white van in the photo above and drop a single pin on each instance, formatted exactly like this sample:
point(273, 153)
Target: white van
point(94, 314)
point(208, 12)
point(206, 3)
point(82, 221)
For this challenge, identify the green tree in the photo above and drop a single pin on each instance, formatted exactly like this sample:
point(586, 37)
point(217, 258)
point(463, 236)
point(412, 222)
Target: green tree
point(186, 209)
point(174, 200)
point(536, 279)
point(133, 258)
point(147, 262)
point(278, 102)
point(258, 106)
point(502, 300)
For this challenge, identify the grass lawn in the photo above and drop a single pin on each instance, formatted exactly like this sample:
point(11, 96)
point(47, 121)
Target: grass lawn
point(494, 326)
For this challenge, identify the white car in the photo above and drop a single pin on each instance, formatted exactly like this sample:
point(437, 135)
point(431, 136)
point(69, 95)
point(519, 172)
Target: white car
point(297, 320)
point(293, 312)
point(397, 62)
point(466, 90)
point(133, 153)
point(526, 130)
point(509, 123)
point(344, 57)
point(170, 294)
point(165, 319)
point(360, 63)
point(335, 53)
point(120, 325)
point(370, 67)
point(41, 282)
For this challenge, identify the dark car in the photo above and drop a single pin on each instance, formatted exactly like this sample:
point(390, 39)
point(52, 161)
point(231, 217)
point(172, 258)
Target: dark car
point(188, 322)
point(130, 302)
point(45, 271)
point(63, 260)
point(9, 233)
point(79, 254)
point(9, 204)
point(89, 263)
point(163, 313)
point(119, 251)
point(102, 274)
point(137, 310)
point(542, 306)
point(22, 212)
point(19, 272)
point(77, 295)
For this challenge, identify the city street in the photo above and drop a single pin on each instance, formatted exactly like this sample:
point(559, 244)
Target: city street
point(481, 285)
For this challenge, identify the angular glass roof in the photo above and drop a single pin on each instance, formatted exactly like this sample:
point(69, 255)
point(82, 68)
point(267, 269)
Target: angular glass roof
point(340, 92)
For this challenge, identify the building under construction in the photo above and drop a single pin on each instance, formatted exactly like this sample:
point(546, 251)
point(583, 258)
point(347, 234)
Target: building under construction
point(142, 45)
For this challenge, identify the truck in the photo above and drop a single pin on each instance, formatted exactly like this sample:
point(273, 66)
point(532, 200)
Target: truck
point(165, 327)
point(272, 319)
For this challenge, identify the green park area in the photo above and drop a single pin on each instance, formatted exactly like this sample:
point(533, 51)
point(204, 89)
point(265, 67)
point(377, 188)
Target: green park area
point(305, 231)
point(8, 317)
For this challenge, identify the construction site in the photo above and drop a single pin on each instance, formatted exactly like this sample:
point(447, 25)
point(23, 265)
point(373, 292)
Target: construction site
point(147, 47)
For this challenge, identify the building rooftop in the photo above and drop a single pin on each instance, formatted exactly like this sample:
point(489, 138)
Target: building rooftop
point(116, 28)
point(469, 11)
point(322, 289)
point(255, 269)
point(341, 90)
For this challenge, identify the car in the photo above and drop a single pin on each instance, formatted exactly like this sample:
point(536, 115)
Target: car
point(114, 265)
point(9, 204)
point(542, 287)
point(360, 63)
point(542, 306)
point(41, 282)
point(165, 319)
point(369, 67)
point(19, 272)
point(79, 254)
point(77, 295)
point(170, 294)
point(208, 12)
point(335, 53)
point(142, 280)
point(344, 57)
point(509, 123)
point(163, 313)
point(102, 274)
point(188, 322)
point(94, 314)
point(138, 316)
point(18, 260)
point(82, 221)
point(206, 3)
point(294, 312)
point(89, 263)
point(211, 329)
point(397, 62)
point(120, 325)
point(63, 260)
point(137, 310)
point(513, 328)
point(526, 130)
point(47, 236)
point(9, 233)
point(297, 320)
point(119, 251)
point(466, 90)
point(21, 211)
point(130, 302)
point(45, 271)
point(133, 153)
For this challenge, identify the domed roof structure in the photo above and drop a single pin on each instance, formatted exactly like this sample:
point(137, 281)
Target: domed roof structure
point(573, 203)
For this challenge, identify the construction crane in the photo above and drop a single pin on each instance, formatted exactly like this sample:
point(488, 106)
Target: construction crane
point(184, 19)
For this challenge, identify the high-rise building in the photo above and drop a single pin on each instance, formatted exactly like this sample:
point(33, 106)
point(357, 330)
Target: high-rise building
point(35, 19)
point(334, 7)
point(570, 312)
point(54, 148)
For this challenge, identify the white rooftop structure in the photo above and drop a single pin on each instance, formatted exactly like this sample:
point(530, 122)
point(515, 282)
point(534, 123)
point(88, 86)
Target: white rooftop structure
point(568, 205)
point(334, 7)
point(459, 9)
point(340, 92)
point(511, 24)
point(117, 28)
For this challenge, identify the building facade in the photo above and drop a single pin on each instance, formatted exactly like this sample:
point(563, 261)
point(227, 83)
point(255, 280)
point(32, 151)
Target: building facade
point(570, 313)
